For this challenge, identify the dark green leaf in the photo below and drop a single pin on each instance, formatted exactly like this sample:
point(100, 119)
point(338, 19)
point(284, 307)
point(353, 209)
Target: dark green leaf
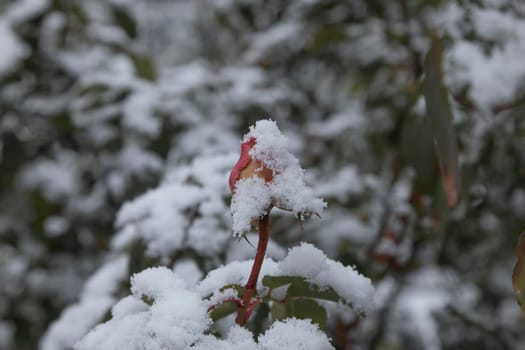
point(277, 281)
point(144, 67)
point(307, 309)
point(223, 310)
point(278, 311)
point(124, 20)
point(298, 287)
point(440, 114)
point(518, 275)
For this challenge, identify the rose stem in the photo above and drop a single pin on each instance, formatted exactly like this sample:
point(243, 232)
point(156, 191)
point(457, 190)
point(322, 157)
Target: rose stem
point(251, 286)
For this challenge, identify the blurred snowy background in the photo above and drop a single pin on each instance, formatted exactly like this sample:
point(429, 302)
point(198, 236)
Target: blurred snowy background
point(101, 101)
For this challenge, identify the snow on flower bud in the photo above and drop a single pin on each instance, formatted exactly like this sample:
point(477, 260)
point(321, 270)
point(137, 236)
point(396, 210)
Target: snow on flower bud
point(247, 167)
point(267, 175)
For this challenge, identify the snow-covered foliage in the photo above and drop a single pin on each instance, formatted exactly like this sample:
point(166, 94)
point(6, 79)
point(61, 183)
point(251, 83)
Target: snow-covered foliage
point(110, 109)
point(163, 310)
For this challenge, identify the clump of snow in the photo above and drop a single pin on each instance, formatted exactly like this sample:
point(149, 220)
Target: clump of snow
point(188, 270)
point(57, 179)
point(287, 190)
point(178, 318)
point(309, 262)
point(158, 216)
point(139, 115)
point(294, 334)
point(185, 211)
point(235, 272)
point(305, 261)
point(250, 201)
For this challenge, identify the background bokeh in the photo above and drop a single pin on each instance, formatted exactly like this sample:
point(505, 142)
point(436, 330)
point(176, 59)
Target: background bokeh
point(101, 101)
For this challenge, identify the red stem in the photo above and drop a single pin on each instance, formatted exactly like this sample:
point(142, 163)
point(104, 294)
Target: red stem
point(244, 312)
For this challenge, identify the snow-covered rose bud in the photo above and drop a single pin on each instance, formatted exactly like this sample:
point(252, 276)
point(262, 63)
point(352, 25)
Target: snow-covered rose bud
point(247, 167)
point(267, 175)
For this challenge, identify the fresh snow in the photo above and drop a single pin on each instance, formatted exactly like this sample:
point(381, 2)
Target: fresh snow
point(287, 190)
point(165, 310)
point(185, 211)
point(311, 263)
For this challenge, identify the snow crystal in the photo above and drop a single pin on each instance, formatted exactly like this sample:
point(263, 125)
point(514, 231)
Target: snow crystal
point(287, 190)
point(294, 334)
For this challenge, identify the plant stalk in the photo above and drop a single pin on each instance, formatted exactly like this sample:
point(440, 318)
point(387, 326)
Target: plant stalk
point(244, 312)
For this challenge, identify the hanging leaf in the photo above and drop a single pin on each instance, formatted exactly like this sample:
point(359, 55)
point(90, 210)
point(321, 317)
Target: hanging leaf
point(518, 275)
point(440, 115)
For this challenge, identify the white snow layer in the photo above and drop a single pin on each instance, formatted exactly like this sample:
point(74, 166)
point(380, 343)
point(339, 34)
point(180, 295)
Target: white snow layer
point(287, 190)
point(187, 210)
point(305, 261)
point(164, 311)
point(178, 319)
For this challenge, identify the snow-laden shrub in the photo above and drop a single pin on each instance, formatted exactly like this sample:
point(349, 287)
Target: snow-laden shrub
point(185, 216)
point(165, 311)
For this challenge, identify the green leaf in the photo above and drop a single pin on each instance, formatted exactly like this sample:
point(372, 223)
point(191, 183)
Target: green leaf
point(278, 281)
point(518, 275)
point(124, 20)
point(298, 287)
point(306, 309)
point(417, 149)
point(278, 310)
point(326, 35)
point(144, 66)
point(440, 115)
point(223, 310)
